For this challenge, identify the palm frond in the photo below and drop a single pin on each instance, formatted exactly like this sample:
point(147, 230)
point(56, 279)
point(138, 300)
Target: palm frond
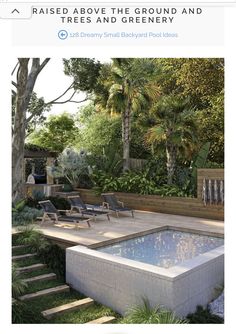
point(155, 134)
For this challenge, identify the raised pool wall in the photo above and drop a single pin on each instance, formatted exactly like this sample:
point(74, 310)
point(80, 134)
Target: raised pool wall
point(121, 283)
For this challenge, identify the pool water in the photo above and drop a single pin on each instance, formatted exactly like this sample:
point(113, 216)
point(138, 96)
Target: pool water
point(165, 248)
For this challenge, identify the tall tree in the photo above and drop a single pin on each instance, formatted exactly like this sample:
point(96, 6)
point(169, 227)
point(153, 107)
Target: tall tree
point(197, 78)
point(201, 79)
point(210, 122)
point(58, 132)
point(84, 71)
point(133, 85)
point(24, 88)
point(99, 130)
point(174, 127)
point(26, 107)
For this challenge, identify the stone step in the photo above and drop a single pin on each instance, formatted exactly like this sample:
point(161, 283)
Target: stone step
point(78, 304)
point(19, 247)
point(23, 257)
point(46, 292)
point(40, 278)
point(102, 320)
point(33, 267)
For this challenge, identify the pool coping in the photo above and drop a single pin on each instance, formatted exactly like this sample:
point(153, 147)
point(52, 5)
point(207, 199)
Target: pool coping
point(120, 283)
point(153, 230)
point(172, 273)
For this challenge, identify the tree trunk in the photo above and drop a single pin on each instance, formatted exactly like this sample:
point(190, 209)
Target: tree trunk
point(171, 162)
point(126, 132)
point(18, 135)
point(25, 85)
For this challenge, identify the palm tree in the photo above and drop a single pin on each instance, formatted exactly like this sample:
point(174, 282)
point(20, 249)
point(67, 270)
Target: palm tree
point(132, 87)
point(175, 127)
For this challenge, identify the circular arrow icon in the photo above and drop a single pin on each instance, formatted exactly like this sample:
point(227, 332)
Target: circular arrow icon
point(62, 34)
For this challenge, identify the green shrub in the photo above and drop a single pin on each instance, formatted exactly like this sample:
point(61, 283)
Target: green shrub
point(32, 201)
point(109, 163)
point(211, 164)
point(60, 203)
point(18, 285)
point(144, 314)
point(128, 182)
point(19, 206)
point(132, 182)
point(98, 178)
point(204, 316)
point(136, 183)
point(22, 313)
point(72, 165)
point(54, 257)
point(49, 253)
point(170, 190)
point(155, 169)
point(25, 216)
point(168, 317)
point(32, 237)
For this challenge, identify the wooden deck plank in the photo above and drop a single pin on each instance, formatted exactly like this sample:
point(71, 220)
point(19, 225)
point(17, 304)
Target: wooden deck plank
point(23, 257)
point(46, 292)
point(19, 247)
point(31, 268)
point(76, 305)
point(102, 320)
point(40, 278)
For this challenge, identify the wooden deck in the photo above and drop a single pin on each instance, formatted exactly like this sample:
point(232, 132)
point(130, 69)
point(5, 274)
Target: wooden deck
point(102, 230)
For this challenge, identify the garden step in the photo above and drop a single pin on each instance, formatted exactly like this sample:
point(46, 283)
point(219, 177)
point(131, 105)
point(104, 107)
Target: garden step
point(46, 292)
point(78, 304)
point(31, 268)
point(102, 320)
point(40, 278)
point(19, 247)
point(23, 257)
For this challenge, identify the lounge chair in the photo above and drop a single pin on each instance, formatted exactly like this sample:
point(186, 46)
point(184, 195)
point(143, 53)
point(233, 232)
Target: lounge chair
point(51, 213)
point(78, 204)
point(111, 203)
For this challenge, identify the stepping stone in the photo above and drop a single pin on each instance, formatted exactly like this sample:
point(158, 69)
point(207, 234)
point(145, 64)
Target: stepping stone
point(78, 304)
point(19, 247)
point(31, 268)
point(102, 320)
point(46, 292)
point(23, 257)
point(40, 278)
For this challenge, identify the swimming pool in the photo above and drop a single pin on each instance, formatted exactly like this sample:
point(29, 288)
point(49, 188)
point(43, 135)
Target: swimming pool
point(165, 248)
point(176, 269)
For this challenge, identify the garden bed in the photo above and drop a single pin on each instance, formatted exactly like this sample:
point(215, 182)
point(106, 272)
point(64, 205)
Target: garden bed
point(184, 206)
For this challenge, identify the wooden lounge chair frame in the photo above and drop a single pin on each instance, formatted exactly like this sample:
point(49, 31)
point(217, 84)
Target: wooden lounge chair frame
point(119, 208)
point(55, 214)
point(85, 209)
